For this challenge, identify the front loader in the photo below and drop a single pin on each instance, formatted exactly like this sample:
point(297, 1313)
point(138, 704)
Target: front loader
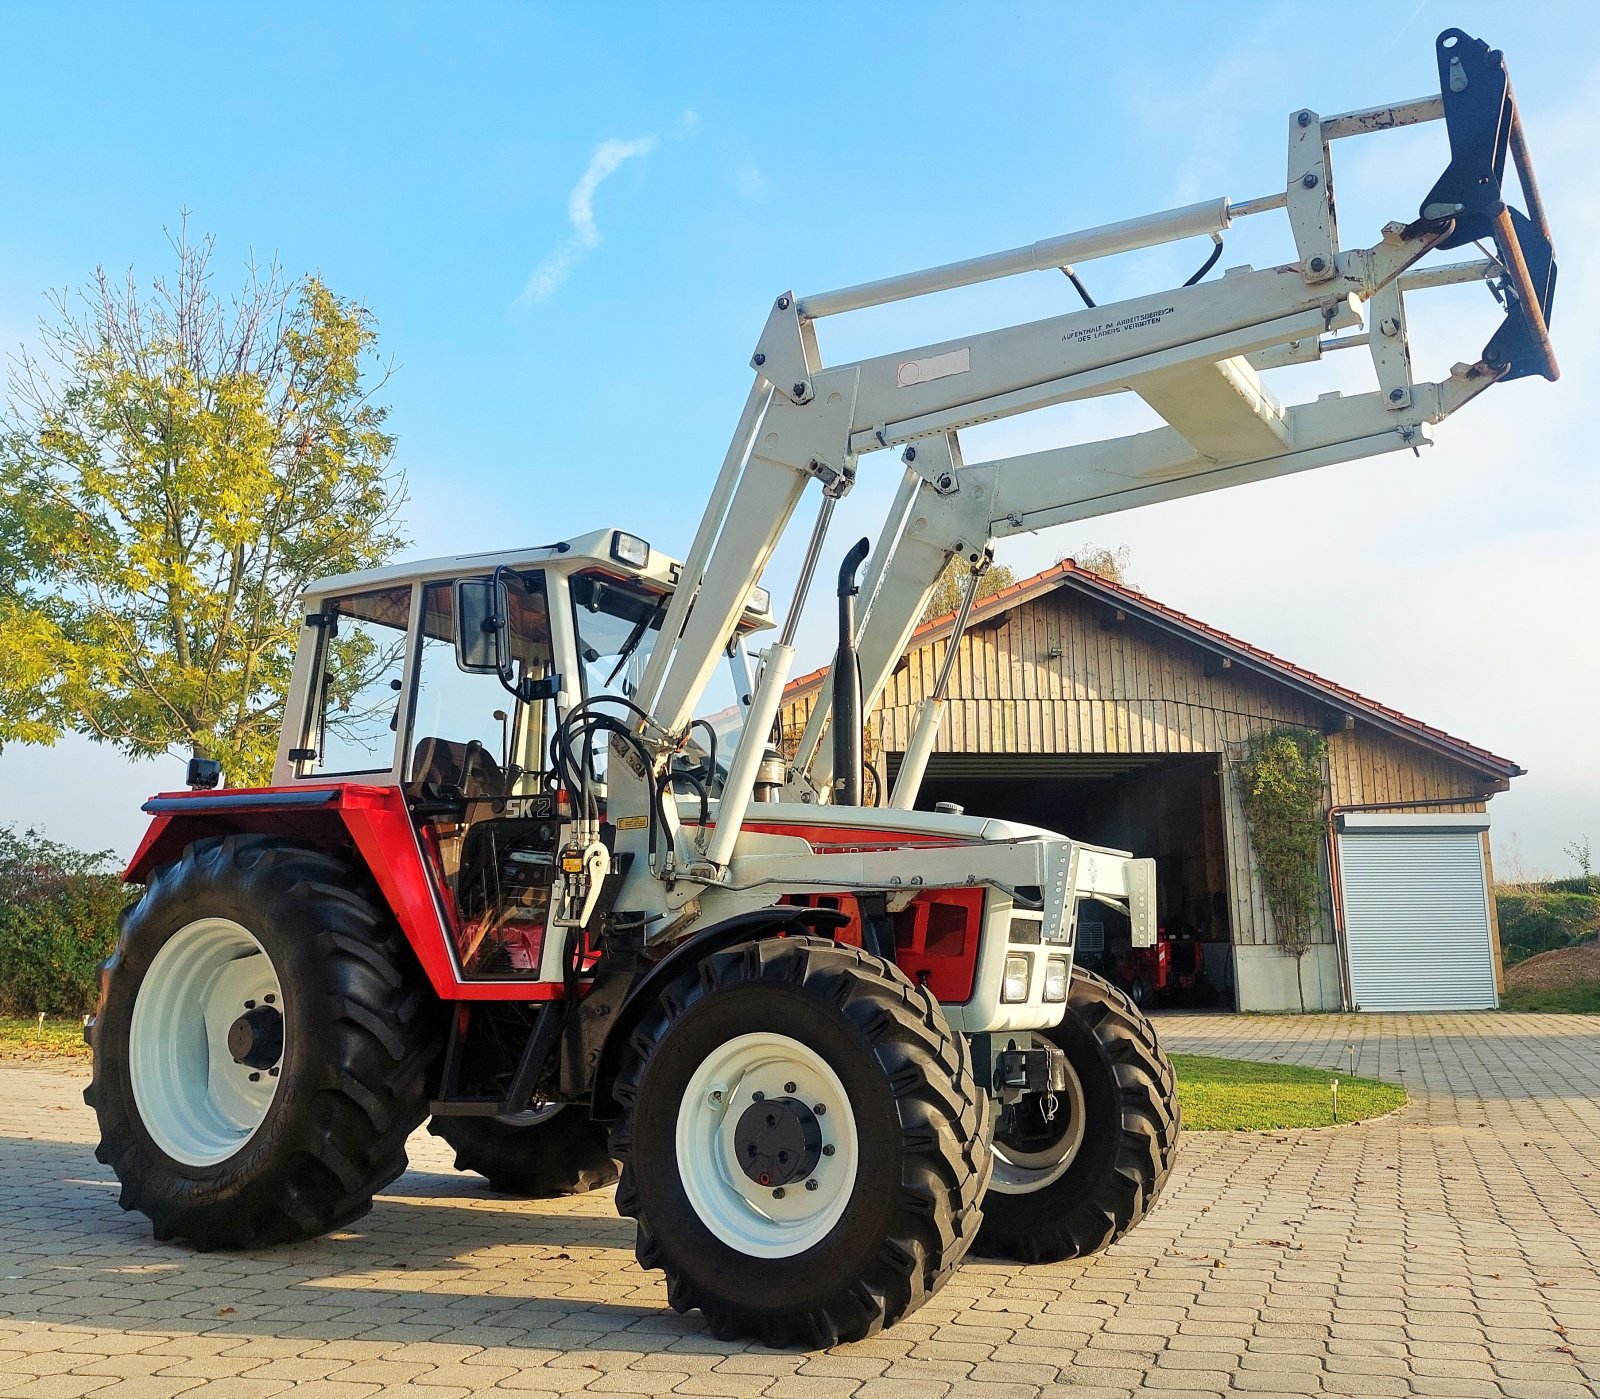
point(513, 876)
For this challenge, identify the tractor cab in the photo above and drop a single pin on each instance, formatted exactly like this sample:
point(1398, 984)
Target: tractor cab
point(446, 679)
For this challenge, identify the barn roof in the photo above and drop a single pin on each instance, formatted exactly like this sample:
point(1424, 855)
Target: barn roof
point(1133, 603)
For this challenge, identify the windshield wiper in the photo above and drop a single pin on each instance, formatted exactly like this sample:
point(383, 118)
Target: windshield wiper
point(650, 619)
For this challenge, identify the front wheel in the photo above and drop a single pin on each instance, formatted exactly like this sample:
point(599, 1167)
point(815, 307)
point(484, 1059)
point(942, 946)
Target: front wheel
point(803, 1143)
point(261, 1048)
point(1074, 1171)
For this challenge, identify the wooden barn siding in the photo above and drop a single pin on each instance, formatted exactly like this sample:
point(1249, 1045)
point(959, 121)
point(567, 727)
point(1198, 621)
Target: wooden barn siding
point(1127, 688)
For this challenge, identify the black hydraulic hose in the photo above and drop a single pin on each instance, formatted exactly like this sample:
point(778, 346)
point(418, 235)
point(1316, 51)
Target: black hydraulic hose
point(1083, 291)
point(1208, 264)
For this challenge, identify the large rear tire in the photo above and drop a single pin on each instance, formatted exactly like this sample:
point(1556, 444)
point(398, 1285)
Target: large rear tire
point(1076, 1183)
point(804, 1146)
point(262, 1046)
point(551, 1151)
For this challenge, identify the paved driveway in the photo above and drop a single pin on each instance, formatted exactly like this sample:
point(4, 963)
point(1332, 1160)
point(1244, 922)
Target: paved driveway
point(1451, 1249)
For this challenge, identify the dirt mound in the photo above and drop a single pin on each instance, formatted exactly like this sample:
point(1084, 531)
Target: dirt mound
point(1550, 971)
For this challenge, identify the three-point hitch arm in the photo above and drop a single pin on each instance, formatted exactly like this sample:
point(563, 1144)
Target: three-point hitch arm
point(1195, 353)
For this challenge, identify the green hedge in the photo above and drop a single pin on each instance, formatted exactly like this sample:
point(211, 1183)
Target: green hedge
point(1534, 920)
point(58, 922)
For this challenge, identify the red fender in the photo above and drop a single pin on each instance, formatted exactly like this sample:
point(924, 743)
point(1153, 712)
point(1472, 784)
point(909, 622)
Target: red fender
point(370, 824)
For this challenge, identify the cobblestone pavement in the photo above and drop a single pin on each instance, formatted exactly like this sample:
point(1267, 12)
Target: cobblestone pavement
point(1450, 1249)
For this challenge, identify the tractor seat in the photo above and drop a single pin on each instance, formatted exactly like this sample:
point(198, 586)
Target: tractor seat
point(468, 767)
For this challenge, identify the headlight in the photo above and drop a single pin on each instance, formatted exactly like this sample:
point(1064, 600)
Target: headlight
point(1057, 973)
point(629, 549)
point(1015, 985)
point(760, 600)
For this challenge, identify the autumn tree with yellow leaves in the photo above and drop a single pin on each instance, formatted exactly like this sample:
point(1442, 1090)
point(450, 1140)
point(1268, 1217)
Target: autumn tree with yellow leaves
point(175, 466)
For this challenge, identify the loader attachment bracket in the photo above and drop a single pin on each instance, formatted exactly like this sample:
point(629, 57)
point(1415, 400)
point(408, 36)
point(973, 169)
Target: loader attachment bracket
point(1484, 125)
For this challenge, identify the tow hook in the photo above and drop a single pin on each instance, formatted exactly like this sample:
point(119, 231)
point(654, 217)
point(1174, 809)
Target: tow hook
point(1040, 1068)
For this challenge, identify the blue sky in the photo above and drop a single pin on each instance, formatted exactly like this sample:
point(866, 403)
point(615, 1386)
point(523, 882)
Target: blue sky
point(569, 222)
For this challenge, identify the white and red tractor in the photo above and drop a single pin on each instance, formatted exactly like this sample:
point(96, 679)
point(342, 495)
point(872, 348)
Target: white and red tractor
point(506, 879)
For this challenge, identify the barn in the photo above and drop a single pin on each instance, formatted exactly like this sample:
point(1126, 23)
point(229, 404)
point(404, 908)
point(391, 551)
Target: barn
point(1084, 706)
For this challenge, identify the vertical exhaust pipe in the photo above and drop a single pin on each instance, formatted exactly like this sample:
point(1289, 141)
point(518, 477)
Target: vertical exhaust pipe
point(847, 717)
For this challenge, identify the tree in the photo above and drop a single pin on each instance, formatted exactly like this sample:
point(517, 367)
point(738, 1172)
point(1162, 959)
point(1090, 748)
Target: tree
point(952, 587)
point(175, 467)
point(1280, 778)
point(1108, 563)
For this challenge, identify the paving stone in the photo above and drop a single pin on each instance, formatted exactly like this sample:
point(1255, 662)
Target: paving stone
point(1450, 1249)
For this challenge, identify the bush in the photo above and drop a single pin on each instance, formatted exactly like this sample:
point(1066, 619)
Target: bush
point(58, 922)
point(1541, 919)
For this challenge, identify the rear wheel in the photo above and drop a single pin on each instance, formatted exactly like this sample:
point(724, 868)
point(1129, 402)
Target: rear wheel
point(261, 1048)
point(803, 1143)
point(1073, 1175)
point(550, 1150)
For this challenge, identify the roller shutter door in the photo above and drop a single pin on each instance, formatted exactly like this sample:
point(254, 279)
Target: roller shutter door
point(1416, 915)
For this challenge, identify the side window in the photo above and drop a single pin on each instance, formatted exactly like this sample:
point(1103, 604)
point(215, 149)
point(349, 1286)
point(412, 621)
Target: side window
point(467, 731)
point(364, 652)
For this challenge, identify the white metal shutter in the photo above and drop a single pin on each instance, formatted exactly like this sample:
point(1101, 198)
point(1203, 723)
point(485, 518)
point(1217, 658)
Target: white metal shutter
point(1416, 919)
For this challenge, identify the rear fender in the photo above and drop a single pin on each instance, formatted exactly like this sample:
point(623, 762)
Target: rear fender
point(371, 826)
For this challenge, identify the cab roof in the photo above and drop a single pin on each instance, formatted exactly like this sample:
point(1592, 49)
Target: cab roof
point(599, 548)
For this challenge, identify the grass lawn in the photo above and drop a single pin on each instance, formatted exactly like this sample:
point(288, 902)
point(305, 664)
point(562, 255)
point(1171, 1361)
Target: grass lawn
point(1233, 1095)
point(1580, 998)
point(22, 1037)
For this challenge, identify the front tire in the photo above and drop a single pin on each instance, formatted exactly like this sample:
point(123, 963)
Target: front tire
point(1077, 1183)
point(803, 1143)
point(261, 1048)
point(558, 1150)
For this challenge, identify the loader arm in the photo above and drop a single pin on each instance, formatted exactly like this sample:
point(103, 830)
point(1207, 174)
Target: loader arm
point(1196, 354)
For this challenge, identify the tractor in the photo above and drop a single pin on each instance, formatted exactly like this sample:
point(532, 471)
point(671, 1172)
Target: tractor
point(511, 879)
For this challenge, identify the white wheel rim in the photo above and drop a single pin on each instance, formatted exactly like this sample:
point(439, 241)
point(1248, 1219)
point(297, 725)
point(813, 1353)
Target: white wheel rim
point(198, 1104)
point(756, 1220)
point(1018, 1172)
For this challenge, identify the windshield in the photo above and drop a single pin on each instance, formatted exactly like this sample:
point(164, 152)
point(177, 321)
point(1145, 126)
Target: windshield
point(618, 625)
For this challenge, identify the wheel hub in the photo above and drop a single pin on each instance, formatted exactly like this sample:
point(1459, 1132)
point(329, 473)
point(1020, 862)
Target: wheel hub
point(777, 1141)
point(255, 1039)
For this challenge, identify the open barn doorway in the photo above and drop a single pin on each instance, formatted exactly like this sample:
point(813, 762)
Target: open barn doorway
point(1169, 807)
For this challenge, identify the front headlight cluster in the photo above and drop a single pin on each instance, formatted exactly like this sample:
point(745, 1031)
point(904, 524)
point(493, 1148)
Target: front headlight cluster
point(1019, 972)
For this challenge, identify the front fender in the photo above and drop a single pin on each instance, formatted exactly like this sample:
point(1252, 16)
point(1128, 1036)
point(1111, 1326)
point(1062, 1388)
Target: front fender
point(646, 990)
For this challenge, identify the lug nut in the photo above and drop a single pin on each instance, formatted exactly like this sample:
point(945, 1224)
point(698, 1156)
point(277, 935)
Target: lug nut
point(821, 1109)
point(249, 1005)
point(778, 1193)
point(269, 999)
point(811, 1185)
point(759, 1096)
point(273, 1071)
point(788, 1088)
point(255, 1078)
point(828, 1149)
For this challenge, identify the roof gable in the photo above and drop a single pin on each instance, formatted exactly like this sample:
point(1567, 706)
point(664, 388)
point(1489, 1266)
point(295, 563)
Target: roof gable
point(1068, 575)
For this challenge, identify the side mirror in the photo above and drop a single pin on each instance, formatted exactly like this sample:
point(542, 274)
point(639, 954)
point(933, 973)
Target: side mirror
point(481, 626)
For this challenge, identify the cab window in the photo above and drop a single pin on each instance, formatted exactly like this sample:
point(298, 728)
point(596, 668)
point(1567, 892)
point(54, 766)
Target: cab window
point(468, 732)
point(363, 657)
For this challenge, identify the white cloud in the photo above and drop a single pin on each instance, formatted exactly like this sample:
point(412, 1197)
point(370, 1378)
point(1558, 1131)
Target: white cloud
point(607, 158)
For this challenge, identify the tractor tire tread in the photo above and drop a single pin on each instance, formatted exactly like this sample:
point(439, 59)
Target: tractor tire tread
point(944, 1120)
